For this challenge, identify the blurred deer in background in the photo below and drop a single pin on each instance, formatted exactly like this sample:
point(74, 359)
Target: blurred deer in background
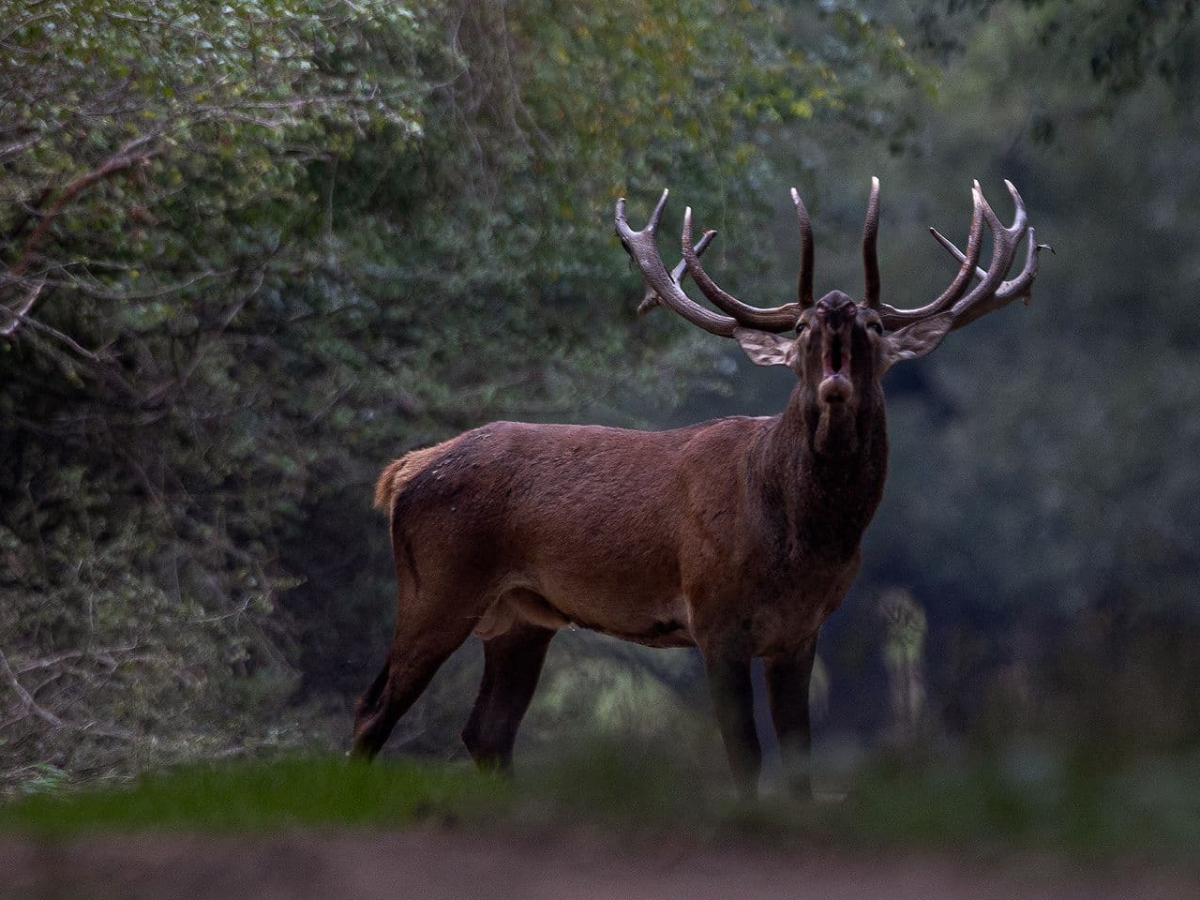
point(738, 536)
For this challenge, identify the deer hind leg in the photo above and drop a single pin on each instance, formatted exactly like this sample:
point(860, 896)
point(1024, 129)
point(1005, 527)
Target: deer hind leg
point(512, 663)
point(414, 658)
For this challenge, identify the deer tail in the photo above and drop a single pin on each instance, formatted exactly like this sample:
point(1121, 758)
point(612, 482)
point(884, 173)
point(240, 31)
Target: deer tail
point(398, 473)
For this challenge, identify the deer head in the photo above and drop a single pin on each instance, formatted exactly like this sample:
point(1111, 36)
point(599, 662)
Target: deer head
point(839, 348)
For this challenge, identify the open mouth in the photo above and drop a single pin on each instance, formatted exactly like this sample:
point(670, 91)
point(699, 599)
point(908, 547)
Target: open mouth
point(833, 355)
point(835, 386)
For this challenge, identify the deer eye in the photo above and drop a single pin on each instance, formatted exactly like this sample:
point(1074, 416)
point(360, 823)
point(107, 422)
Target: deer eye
point(876, 327)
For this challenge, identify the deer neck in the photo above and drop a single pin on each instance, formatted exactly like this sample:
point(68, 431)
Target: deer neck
point(821, 480)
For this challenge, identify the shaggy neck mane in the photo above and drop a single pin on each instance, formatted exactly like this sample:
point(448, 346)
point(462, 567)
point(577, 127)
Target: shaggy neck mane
point(822, 499)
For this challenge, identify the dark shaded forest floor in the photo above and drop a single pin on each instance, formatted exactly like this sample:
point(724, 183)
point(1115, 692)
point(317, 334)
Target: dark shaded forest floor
point(436, 863)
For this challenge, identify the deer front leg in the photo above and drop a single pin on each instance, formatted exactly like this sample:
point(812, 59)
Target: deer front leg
point(788, 676)
point(733, 703)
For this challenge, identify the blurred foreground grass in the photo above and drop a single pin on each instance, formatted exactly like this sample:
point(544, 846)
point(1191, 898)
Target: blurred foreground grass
point(1019, 800)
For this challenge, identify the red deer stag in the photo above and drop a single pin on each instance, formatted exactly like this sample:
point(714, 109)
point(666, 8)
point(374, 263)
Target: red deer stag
point(738, 536)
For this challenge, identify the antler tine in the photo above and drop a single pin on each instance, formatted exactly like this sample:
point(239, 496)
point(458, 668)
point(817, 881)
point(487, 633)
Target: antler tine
point(953, 250)
point(656, 216)
point(650, 300)
point(701, 245)
point(778, 318)
point(895, 318)
point(870, 239)
point(1020, 215)
point(804, 291)
point(641, 247)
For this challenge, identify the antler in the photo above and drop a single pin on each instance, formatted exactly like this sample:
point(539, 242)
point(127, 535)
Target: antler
point(650, 300)
point(870, 259)
point(642, 248)
point(805, 289)
point(992, 292)
point(1019, 287)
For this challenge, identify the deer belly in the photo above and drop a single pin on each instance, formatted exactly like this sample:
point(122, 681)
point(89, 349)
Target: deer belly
point(650, 621)
point(518, 605)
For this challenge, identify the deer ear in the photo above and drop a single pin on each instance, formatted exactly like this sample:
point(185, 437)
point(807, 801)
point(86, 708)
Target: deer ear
point(765, 348)
point(915, 340)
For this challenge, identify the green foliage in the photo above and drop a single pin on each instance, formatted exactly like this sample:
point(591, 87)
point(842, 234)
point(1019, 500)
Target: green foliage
point(154, 210)
point(1117, 44)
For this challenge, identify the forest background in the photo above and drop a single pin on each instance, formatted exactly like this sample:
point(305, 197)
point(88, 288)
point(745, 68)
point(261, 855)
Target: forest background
point(252, 250)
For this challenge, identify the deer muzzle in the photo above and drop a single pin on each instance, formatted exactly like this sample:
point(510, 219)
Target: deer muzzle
point(836, 386)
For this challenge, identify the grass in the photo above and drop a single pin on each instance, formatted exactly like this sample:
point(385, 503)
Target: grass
point(265, 796)
point(1015, 801)
point(1026, 798)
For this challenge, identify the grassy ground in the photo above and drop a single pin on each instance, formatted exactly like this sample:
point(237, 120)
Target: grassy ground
point(263, 796)
point(1018, 801)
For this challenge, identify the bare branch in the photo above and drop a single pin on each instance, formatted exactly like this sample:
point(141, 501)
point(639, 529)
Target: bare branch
point(57, 335)
point(16, 316)
point(103, 655)
point(135, 151)
point(73, 283)
point(19, 146)
point(30, 705)
point(24, 697)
